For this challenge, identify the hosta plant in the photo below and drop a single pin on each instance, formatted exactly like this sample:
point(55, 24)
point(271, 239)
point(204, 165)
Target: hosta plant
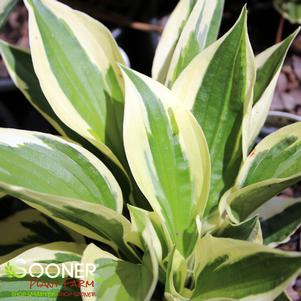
point(162, 177)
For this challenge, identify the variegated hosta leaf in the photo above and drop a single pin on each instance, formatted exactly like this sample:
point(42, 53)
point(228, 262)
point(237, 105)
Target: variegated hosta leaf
point(19, 65)
point(200, 30)
point(176, 277)
point(116, 279)
point(12, 272)
point(92, 220)
point(280, 218)
point(169, 39)
point(273, 165)
point(172, 264)
point(268, 65)
point(51, 165)
point(168, 156)
point(249, 230)
point(75, 59)
point(219, 98)
point(6, 7)
point(228, 269)
point(28, 228)
point(64, 181)
point(143, 221)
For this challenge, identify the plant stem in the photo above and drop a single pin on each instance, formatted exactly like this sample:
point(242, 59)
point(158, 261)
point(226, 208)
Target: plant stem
point(280, 30)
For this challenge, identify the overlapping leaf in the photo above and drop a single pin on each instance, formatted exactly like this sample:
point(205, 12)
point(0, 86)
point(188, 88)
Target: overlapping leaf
point(64, 181)
point(28, 228)
point(280, 218)
point(75, 59)
point(249, 230)
point(120, 280)
point(171, 163)
point(148, 223)
point(272, 166)
point(200, 30)
point(18, 62)
point(268, 65)
point(236, 270)
point(176, 276)
point(217, 87)
point(19, 65)
point(169, 39)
